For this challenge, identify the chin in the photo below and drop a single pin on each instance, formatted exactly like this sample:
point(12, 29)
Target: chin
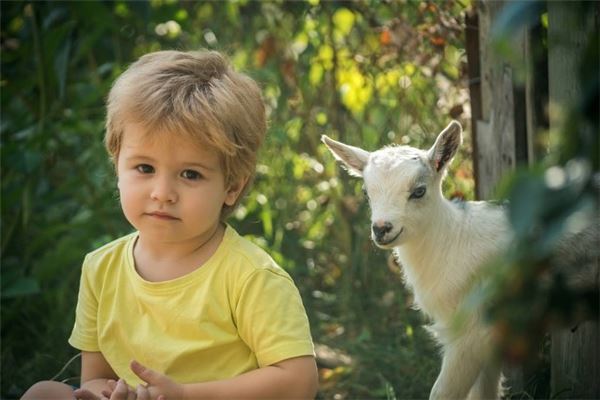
point(395, 241)
point(389, 245)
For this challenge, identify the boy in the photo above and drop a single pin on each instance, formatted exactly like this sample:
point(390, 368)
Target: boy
point(185, 307)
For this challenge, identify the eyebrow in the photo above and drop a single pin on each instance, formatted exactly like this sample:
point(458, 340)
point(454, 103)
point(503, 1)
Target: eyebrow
point(419, 179)
point(142, 158)
point(200, 165)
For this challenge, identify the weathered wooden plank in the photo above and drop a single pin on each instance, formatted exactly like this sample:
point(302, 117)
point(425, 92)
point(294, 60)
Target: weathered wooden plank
point(536, 92)
point(575, 354)
point(496, 140)
point(501, 131)
point(575, 362)
point(474, 73)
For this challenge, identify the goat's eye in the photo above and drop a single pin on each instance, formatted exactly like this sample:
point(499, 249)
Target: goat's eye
point(418, 192)
point(364, 190)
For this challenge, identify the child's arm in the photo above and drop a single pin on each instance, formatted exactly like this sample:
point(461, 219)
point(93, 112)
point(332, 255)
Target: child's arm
point(295, 378)
point(95, 373)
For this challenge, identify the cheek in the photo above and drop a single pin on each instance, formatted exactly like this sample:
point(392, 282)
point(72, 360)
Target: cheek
point(383, 211)
point(122, 186)
point(127, 194)
point(205, 202)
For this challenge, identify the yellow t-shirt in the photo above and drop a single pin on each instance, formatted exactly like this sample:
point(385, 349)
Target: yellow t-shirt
point(238, 312)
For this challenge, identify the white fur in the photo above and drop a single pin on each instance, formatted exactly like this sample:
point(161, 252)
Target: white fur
point(441, 246)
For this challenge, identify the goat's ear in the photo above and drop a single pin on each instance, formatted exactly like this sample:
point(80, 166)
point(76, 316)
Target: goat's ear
point(353, 158)
point(445, 146)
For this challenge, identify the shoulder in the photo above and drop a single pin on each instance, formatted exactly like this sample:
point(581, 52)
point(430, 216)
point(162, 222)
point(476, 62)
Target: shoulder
point(115, 251)
point(488, 220)
point(246, 258)
point(486, 209)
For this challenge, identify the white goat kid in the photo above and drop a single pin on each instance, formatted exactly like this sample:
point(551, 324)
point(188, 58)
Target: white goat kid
point(440, 245)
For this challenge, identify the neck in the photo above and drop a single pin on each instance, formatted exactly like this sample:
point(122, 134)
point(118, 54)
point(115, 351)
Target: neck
point(161, 248)
point(157, 260)
point(424, 254)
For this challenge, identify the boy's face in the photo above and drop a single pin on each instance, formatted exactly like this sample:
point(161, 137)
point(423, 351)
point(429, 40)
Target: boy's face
point(170, 187)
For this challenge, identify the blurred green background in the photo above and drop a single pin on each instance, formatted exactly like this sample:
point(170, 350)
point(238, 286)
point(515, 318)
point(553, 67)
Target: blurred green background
point(367, 72)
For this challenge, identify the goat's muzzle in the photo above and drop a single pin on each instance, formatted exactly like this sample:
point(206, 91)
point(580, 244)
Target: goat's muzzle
point(383, 234)
point(380, 229)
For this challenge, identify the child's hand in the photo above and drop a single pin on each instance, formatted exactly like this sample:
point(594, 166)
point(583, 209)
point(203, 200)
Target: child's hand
point(119, 391)
point(116, 391)
point(84, 394)
point(159, 386)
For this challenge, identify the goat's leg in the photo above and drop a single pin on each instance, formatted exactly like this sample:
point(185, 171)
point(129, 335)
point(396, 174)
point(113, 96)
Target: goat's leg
point(461, 365)
point(488, 385)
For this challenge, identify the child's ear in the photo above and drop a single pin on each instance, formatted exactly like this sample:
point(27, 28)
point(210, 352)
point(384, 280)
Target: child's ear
point(234, 191)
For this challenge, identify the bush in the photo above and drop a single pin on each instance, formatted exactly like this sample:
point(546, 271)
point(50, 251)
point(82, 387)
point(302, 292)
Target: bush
point(365, 72)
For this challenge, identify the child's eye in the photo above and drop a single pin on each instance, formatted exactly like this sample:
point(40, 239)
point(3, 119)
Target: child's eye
point(191, 174)
point(145, 168)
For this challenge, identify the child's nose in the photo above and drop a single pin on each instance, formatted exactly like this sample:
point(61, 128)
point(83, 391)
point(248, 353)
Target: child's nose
point(164, 191)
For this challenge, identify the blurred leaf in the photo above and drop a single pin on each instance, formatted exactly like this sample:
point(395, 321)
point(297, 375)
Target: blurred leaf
point(323, 67)
point(343, 20)
point(23, 286)
point(527, 192)
point(60, 64)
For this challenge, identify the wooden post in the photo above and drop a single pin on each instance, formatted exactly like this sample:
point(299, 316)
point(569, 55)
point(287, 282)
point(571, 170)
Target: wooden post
point(505, 120)
point(495, 131)
point(474, 72)
point(499, 117)
point(575, 353)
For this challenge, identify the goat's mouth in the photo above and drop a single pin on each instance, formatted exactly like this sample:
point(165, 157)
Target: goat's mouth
point(384, 242)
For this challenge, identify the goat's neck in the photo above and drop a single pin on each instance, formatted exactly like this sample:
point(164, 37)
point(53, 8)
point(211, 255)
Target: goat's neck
point(436, 235)
point(425, 258)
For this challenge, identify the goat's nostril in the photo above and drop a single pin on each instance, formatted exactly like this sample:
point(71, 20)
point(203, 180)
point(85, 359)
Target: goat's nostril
point(380, 229)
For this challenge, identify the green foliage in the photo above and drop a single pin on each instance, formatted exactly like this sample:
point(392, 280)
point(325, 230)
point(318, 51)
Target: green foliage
point(366, 72)
point(528, 293)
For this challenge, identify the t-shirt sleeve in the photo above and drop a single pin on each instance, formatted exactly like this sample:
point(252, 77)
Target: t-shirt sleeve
point(85, 331)
point(271, 318)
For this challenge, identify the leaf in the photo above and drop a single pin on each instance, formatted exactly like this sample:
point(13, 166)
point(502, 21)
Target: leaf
point(385, 37)
point(526, 193)
point(266, 217)
point(61, 63)
point(343, 19)
point(23, 286)
point(437, 40)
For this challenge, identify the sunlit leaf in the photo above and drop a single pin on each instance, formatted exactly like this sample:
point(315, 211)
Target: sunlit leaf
point(321, 118)
point(385, 37)
point(122, 10)
point(343, 19)
point(315, 74)
point(181, 14)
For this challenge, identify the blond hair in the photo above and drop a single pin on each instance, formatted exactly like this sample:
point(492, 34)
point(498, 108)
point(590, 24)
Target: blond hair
point(197, 94)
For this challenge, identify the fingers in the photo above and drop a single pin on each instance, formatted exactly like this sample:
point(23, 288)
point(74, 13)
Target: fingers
point(146, 374)
point(112, 384)
point(122, 391)
point(84, 394)
point(142, 393)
